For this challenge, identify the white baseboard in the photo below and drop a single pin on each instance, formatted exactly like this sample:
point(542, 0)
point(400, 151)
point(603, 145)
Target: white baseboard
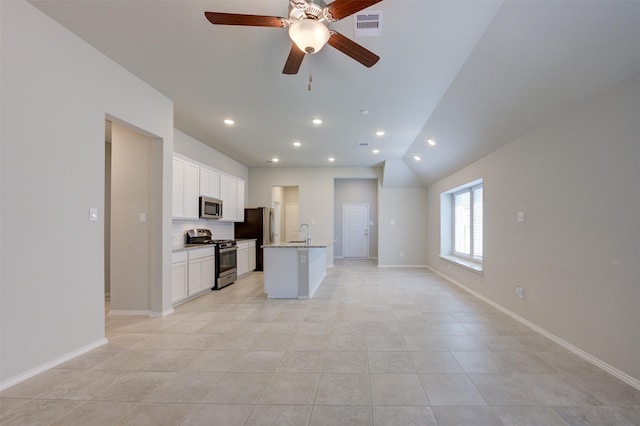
point(51, 364)
point(161, 314)
point(403, 266)
point(129, 312)
point(151, 314)
point(574, 349)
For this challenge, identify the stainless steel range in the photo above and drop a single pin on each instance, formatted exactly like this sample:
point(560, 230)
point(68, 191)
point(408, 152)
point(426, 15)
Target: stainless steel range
point(226, 256)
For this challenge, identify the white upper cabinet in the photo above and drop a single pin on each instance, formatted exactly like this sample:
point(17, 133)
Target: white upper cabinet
point(232, 196)
point(186, 189)
point(240, 201)
point(209, 182)
point(191, 180)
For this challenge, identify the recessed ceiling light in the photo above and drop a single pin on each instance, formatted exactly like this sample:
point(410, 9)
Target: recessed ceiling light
point(296, 144)
point(380, 133)
point(229, 122)
point(376, 151)
point(431, 142)
point(275, 159)
point(416, 157)
point(364, 112)
point(317, 121)
point(331, 159)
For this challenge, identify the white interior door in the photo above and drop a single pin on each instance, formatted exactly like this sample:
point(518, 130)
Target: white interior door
point(355, 230)
point(291, 222)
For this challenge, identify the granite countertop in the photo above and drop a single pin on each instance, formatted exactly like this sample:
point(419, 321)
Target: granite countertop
point(193, 246)
point(293, 244)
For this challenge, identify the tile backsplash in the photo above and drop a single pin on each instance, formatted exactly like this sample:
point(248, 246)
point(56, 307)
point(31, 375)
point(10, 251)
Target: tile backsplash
point(220, 230)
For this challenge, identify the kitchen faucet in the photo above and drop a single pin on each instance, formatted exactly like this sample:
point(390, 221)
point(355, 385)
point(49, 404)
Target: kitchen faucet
point(308, 239)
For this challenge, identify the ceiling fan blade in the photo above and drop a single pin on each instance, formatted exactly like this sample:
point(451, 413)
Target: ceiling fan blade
point(247, 20)
point(293, 61)
point(353, 49)
point(342, 8)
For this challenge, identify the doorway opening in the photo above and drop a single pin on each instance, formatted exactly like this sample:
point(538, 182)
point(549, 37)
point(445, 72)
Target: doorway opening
point(356, 218)
point(132, 219)
point(286, 202)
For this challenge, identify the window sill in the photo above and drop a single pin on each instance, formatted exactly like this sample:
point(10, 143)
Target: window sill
point(463, 263)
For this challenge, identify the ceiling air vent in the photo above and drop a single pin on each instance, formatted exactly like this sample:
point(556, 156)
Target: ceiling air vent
point(368, 24)
point(363, 144)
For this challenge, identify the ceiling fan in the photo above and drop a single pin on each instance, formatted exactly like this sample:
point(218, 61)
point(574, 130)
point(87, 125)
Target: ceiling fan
point(308, 28)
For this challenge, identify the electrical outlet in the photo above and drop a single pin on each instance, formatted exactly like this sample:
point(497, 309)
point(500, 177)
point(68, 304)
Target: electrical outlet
point(520, 292)
point(520, 217)
point(401, 254)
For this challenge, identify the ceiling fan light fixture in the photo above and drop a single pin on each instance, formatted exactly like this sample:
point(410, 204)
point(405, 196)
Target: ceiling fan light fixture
point(309, 35)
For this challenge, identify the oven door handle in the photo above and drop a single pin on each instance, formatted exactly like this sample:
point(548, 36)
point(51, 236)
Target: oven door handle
point(225, 250)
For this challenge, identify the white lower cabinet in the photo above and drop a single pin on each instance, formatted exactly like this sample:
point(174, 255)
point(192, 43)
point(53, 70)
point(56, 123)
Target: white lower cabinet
point(246, 256)
point(243, 261)
point(201, 270)
point(179, 276)
point(193, 273)
point(252, 255)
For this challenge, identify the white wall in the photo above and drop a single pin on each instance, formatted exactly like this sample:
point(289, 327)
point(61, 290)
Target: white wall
point(404, 205)
point(193, 148)
point(577, 254)
point(130, 239)
point(402, 227)
point(56, 92)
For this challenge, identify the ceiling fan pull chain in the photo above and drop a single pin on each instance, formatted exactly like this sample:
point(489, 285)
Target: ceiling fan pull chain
point(310, 73)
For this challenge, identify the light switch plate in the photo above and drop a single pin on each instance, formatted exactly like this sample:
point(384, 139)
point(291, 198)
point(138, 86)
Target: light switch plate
point(520, 217)
point(93, 214)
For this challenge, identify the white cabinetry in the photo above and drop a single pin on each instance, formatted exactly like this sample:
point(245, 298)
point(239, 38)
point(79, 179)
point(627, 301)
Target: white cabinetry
point(179, 276)
point(240, 201)
point(246, 256)
point(232, 196)
point(191, 180)
point(201, 270)
point(209, 182)
point(243, 260)
point(252, 255)
point(186, 189)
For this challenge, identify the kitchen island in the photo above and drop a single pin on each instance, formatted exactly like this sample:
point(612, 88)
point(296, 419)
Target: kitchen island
point(294, 270)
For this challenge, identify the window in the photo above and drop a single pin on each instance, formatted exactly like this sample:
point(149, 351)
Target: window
point(467, 223)
point(461, 226)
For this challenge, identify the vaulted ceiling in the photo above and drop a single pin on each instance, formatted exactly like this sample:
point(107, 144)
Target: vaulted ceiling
point(471, 75)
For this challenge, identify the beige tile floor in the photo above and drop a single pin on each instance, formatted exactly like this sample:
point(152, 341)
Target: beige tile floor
point(375, 346)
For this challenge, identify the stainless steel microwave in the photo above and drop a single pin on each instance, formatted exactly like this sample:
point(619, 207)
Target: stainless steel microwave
point(210, 208)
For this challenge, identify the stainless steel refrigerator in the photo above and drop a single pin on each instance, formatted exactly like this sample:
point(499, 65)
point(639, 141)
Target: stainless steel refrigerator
point(258, 223)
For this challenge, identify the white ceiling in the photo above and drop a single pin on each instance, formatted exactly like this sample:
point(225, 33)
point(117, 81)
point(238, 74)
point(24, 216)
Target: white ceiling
point(473, 75)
